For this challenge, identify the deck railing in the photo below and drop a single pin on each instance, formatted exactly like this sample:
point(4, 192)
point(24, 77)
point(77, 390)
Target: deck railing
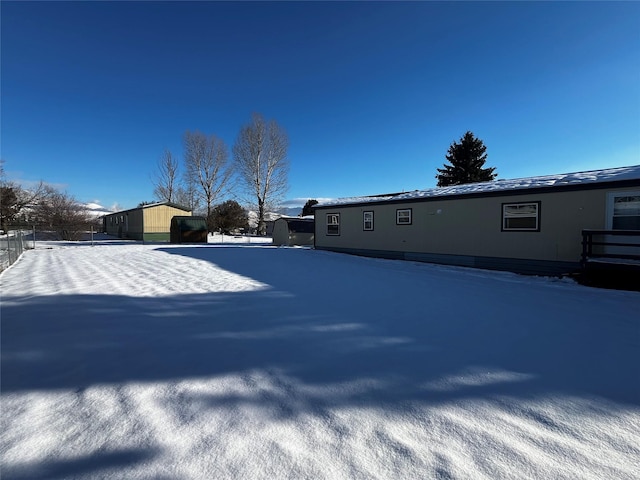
point(611, 245)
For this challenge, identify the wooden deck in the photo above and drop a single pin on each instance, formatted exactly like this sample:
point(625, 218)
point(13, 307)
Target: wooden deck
point(611, 258)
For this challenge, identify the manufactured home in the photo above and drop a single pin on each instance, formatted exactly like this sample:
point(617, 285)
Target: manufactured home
point(292, 231)
point(150, 223)
point(529, 225)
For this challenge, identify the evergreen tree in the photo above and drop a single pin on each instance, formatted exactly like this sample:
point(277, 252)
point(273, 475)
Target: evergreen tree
point(228, 216)
point(466, 161)
point(307, 210)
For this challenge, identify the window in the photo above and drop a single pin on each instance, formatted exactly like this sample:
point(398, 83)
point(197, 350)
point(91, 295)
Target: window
point(521, 217)
point(403, 217)
point(626, 212)
point(333, 224)
point(367, 220)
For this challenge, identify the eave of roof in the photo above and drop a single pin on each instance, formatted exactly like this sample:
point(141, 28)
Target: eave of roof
point(299, 219)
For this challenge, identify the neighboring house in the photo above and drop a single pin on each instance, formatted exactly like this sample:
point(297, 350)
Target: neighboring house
point(292, 231)
point(529, 225)
point(151, 223)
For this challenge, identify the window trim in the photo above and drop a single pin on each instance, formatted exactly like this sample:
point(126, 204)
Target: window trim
point(364, 221)
point(330, 224)
point(410, 210)
point(537, 216)
point(611, 196)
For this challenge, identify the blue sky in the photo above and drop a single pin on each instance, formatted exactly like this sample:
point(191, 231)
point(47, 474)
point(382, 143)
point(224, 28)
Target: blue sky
point(371, 93)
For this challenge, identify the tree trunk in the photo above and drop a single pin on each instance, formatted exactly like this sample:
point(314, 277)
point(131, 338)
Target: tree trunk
point(262, 226)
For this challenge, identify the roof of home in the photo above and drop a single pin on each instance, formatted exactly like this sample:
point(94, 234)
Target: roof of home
point(566, 181)
point(150, 205)
point(299, 224)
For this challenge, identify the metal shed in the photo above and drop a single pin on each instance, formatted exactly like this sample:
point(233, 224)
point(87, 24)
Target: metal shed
point(188, 229)
point(150, 223)
point(291, 231)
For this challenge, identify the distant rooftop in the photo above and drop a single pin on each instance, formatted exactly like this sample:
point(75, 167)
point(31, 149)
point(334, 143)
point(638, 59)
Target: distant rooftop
point(547, 181)
point(150, 205)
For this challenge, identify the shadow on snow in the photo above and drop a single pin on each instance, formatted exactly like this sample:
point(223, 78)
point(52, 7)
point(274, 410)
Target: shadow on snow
point(329, 331)
point(427, 335)
point(91, 464)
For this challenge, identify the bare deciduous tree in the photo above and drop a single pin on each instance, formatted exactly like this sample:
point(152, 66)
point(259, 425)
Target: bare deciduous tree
point(166, 178)
point(62, 213)
point(42, 206)
point(16, 201)
point(260, 156)
point(187, 196)
point(206, 163)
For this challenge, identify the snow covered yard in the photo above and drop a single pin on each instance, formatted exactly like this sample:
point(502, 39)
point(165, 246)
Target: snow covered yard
point(136, 361)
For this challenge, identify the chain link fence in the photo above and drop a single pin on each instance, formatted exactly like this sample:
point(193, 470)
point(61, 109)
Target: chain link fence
point(19, 238)
point(12, 245)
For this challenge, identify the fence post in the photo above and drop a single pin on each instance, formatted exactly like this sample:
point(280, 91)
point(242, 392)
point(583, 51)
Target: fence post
point(34, 237)
point(9, 247)
point(15, 248)
point(92, 235)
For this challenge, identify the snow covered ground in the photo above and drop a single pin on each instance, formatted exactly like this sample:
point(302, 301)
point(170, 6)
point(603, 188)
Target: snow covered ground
point(223, 361)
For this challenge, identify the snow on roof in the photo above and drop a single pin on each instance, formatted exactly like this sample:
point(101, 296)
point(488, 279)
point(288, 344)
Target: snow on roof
point(168, 204)
point(306, 218)
point(501, 185)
